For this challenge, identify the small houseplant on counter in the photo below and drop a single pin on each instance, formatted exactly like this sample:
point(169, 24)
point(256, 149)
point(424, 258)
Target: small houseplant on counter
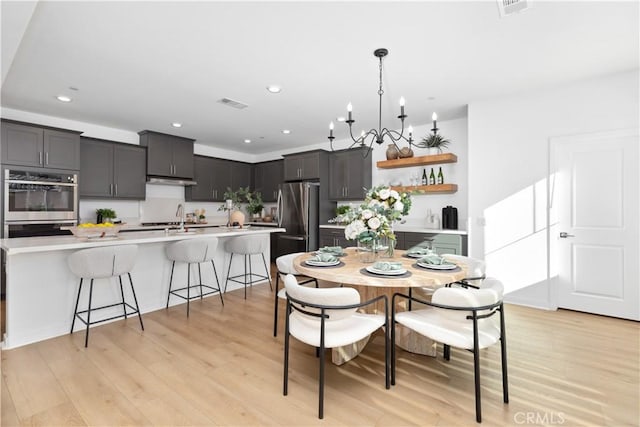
point(254, 203)
point(105, 215)
point(372, 223)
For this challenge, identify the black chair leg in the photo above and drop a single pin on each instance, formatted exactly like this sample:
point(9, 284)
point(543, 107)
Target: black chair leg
point(266, 270)
point(321, 388)
point(124, 307)
point(393, 347)
point(188, 286)
point(285, 385)
point(275, 304)
point(446, 352)
point(75, 311)
point(245, 275)
point(228, 272)
point(135, 300)
point(476, 369)
point(173, 264)
point(86, 335)
point(503, 351)
point(200, 277)
point(215, 274)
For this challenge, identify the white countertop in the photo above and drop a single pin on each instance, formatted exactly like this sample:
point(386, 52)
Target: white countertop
point(55, 243)
point(409, 228)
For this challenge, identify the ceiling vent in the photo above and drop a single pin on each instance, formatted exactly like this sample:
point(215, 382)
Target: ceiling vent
point(509, 7)
point(233, 104)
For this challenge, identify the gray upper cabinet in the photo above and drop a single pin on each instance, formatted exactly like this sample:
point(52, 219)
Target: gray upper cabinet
point(240, 175)
point(112, 170)
point(203, 175)
point(303, 166)
point(214, 176)
point(349, 174)
point(168, 155)
point(267, 176)
point(26, 145)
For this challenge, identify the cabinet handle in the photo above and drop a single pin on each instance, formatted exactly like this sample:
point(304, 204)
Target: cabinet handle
point(116, 186)
point(39, 157)
point(46, 158)
point(111, 189)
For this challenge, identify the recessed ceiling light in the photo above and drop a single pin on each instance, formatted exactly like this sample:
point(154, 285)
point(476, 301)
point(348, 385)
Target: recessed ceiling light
point(63, 98)
point(340, 119)
point(274, 88)
point(176, 125)
point(286, 131)
point(247, 141)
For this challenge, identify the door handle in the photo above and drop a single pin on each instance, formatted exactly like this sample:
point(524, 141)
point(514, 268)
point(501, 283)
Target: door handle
point(564, 235)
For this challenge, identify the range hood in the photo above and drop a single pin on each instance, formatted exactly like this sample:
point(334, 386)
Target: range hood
point(170, 181)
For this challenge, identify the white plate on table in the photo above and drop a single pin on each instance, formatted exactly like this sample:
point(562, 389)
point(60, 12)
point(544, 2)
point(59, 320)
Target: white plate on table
point(415, 255)
point(437, 266)
point(373, 270)
point(321, 263)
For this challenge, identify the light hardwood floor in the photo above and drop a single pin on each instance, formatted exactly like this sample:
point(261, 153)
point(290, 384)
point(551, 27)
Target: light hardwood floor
point(222, 366)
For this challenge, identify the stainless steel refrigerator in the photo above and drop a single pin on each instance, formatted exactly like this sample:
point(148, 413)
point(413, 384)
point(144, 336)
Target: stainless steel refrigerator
point(299, 214)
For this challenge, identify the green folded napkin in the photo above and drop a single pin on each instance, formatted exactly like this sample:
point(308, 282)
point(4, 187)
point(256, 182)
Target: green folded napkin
point(322, 257)
point(334, 250)
point(387, 266)
point(434, 259)
point(419, 250)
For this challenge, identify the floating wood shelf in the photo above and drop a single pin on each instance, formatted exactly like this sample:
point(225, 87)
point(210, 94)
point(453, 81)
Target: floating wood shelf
point(427, 189)
point(418, 161)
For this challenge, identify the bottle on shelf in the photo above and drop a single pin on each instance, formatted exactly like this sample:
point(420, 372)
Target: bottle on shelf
point(424, 176)
point(440, 177)
point(432, 178)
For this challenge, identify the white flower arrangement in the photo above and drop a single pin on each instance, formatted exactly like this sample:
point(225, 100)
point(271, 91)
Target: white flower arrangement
point(373, 219)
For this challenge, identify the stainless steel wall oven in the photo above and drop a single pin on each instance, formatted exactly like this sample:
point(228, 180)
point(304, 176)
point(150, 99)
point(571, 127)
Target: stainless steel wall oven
point(38, 203)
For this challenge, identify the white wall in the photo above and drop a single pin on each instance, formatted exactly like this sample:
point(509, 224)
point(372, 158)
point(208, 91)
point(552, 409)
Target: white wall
point(508, 165)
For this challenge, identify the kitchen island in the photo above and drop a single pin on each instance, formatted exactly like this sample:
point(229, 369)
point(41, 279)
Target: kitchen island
point(41, 290)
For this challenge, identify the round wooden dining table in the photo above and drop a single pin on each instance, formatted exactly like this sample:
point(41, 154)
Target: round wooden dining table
point(352, 272)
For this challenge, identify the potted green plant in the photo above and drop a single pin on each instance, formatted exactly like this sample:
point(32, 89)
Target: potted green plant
point(105, 215)
point(233, 199)
point(435, 143)
point(254, 203)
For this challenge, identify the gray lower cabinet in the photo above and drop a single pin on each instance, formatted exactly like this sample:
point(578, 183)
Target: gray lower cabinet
point(168, 155)
point(334, 237)
point(349, 174)
point(27, 145)
point(304, 166)
point(214, 176)
point(112, 170)
point(440, 243)
point(266, 178)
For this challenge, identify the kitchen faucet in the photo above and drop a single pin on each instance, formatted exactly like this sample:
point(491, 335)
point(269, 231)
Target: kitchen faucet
point(180, 213)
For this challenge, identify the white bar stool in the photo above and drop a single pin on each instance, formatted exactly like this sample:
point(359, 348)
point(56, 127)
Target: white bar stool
point(194, 251)
point(247, 246)
point(285, 266)
point(103, 263)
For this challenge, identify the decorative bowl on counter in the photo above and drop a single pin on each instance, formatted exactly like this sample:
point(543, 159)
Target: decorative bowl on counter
point(96, 231)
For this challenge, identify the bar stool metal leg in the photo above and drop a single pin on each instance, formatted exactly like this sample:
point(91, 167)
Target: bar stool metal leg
point(188, 286)
point(135, 299)
point(173, 264)
point(124, 306)
point(215, 274)
point(267, 271)
point(75, 312)
point(86, 336)
point(228, 272)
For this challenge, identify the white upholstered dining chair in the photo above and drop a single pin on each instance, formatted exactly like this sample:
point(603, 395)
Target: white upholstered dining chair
point(284, 264)
point(327, 318)
point(467, 318)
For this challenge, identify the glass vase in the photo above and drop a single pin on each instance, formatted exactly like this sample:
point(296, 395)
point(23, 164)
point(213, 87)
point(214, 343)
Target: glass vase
point(386, 247)
point(367, 251)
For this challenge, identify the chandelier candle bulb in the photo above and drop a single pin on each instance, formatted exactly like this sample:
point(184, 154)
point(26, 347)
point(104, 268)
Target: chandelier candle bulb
point(349, 110)
point(402, 106)
point(330, 129)
point(434, 117)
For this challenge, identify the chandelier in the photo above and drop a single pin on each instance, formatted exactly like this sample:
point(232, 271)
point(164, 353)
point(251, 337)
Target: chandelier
point(376, 135)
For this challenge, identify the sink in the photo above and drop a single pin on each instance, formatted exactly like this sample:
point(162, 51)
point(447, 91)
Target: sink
point(182, 232)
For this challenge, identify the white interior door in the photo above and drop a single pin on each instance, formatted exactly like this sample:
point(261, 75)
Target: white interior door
point(595, 198)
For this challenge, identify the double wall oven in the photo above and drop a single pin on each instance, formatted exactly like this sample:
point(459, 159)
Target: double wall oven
point(39, 203)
